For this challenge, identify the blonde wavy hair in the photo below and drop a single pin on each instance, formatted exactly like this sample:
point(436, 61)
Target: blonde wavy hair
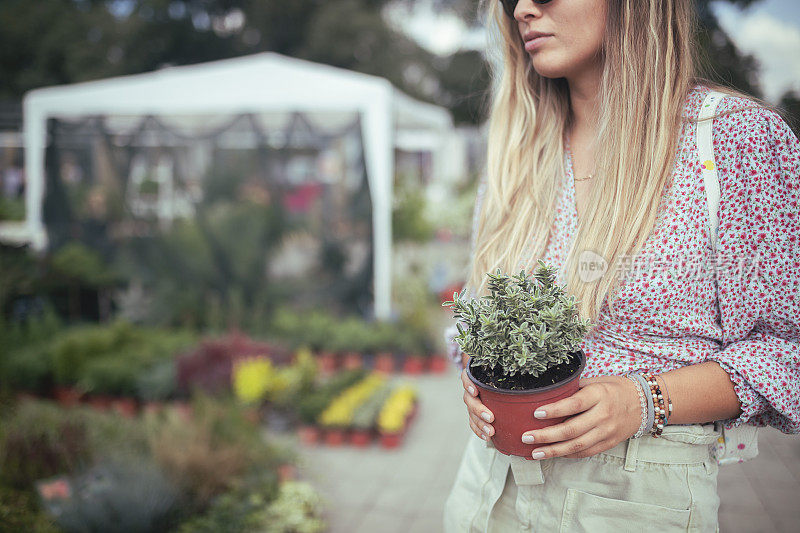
point(648, 70)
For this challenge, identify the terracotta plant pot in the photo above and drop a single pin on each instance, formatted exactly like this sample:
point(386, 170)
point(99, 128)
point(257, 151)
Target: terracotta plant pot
point(414, 364)
point(513, 409)
point(384, 362)
point(309, 435)
point(67, 396)
point(287, 472)
point(438, 364)
point(127, 407)
point(335, 437)
point(353, 361)
point(153, 407)
point(100, 403)
point(328, 362)
point(361, 437)
point(391, 440)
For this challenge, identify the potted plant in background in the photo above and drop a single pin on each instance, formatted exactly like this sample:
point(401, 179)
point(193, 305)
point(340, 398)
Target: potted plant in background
point(395, 415)
point(366, 415)
point(350, 342)
point(384, 346)
point(410, 345)
point(319, 329)
point(524, 346)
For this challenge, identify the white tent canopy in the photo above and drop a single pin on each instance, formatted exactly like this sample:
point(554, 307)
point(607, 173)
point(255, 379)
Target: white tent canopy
point(260, 83)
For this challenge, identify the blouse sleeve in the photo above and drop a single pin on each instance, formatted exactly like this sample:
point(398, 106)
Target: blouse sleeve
point(454, 351)
point(758, 264)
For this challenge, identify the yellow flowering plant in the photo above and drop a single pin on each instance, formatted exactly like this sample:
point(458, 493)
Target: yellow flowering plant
point(395, 411)
point(252, 378)
point(339, 412)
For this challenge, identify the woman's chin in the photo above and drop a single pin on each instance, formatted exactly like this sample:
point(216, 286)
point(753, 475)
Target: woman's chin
point(546, 68)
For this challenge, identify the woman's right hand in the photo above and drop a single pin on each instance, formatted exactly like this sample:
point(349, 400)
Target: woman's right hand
point(480, 418)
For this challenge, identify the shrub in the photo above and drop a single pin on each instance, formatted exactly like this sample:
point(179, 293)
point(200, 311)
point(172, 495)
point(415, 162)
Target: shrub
point(38, 441)
point(19, 511)
point(525, 326)
point(209, 367)
point(118, 496)
point(312, 404)
point(296, 509)
point(213, 453)
point(158, 382)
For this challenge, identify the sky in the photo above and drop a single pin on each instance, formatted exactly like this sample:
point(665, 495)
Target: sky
point(769, 30)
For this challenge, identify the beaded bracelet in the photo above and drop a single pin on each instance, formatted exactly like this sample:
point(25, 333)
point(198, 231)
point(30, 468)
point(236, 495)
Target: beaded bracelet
point(669, 401)
point(642, 403)
point(658, 402)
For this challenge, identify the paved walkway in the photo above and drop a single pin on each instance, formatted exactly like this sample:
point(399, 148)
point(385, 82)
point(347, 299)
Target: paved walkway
point(374, 490)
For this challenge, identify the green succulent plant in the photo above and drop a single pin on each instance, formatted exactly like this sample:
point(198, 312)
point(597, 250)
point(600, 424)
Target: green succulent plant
point(525, 326)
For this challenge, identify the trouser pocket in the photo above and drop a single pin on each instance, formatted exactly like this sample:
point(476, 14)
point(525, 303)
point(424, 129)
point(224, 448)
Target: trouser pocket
point(584, 511)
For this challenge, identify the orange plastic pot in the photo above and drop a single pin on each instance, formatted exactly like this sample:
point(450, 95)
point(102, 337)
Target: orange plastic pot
point(513, 409)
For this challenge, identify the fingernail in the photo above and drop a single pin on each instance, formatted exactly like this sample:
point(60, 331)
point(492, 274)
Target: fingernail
point(486, 417)
point(527, 439)
point(537, 455)
point(471, 390)
point(539, 413)
point(487, 430)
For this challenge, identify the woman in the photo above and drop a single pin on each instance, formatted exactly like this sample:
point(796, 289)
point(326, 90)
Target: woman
point(592, 157)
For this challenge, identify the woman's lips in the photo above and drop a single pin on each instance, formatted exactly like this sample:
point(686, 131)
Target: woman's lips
point(533, 44)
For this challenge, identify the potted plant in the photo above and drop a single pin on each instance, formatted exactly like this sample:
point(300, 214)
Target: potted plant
point(409, 344)
point(395, 415)
point(524, 346)
point(350, 341)
point(365, 417)
point(383, 340)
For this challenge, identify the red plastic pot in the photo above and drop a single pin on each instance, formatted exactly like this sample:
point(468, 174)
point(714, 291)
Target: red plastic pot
point(391, 440)
point(353, 361)
point(438, 364)
point(513, 409)
point(335, 437)
point(384, 362)
point(126, 407)
point(100, 403)
point(309, 434)
point(287, 472)
point(68, 396)
point(360, 437)
point(328, 362)
point(414, 365)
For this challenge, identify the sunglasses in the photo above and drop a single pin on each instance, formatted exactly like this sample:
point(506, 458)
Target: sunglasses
point(510, 5)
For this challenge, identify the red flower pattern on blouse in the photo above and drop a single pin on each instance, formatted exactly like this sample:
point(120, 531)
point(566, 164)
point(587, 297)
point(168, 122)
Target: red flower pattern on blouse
point(751, 325)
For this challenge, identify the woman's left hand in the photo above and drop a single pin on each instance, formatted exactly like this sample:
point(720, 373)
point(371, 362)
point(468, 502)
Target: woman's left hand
point(606, 411)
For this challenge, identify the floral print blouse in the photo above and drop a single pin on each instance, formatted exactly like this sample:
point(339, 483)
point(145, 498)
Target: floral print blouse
point(749, 320)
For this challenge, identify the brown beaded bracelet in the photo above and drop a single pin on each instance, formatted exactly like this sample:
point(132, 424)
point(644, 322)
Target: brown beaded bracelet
point(658, 402)
point(669, 401)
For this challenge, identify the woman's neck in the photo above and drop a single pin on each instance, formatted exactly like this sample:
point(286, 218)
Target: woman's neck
point(584, 89)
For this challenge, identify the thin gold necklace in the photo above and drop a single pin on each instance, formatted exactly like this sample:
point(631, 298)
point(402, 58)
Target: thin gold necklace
point(590, 176)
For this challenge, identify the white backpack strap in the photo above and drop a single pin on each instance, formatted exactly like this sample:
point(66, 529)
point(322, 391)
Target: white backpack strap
point(741, 443)
point(705, 151)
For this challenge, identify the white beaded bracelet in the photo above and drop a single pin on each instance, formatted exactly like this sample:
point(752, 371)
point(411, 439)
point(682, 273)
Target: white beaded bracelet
point(643, 404)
